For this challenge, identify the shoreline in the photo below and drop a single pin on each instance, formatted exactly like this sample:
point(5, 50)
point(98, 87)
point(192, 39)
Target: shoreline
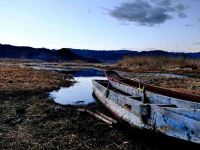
point(31, 120)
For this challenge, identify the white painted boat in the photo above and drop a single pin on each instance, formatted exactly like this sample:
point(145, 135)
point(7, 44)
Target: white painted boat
point(170, 116)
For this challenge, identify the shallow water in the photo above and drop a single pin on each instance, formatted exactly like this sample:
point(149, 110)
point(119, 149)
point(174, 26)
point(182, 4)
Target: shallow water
point(78, 94)
point(81, 92)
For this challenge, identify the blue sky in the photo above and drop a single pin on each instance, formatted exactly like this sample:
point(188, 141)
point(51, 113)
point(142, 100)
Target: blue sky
point(102, 24)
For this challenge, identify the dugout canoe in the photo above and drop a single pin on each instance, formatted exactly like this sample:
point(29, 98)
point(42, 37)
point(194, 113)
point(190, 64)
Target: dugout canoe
point(174, 117)
point(152, 93)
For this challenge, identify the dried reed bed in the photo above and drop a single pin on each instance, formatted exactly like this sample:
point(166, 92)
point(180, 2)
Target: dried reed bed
point(27, 79)
point(151, 63)
point(18, 61)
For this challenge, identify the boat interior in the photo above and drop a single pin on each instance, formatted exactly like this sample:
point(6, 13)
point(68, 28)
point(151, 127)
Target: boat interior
point(159, 101)
point(112, 75)
point(106, 84)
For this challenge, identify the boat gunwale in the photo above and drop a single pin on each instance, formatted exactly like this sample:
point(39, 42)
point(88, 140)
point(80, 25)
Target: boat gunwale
point(167, 107)
point(153, 89)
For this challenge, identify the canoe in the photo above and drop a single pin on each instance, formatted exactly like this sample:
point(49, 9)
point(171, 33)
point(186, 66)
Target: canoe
point(174, 117)
point(136, 88)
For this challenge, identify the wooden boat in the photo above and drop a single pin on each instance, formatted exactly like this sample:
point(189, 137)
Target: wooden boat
point(136, 88)
point(179, 118)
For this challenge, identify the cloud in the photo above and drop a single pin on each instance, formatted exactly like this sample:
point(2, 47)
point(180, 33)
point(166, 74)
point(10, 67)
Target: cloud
point(197, 43)
point(163, 2)
point(182, 15)
point(189, 26)
point(180, 10)
point(148, 12)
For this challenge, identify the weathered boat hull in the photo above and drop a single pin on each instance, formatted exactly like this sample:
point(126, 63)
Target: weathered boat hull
point(134, 87)
point(178, 122)
point(154, 98)
point(114, 102)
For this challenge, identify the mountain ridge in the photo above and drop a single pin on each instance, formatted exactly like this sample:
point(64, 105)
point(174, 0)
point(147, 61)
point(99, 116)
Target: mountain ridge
point(69, 54)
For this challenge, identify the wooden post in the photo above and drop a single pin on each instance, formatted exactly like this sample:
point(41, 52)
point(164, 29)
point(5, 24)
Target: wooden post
point(144, 97)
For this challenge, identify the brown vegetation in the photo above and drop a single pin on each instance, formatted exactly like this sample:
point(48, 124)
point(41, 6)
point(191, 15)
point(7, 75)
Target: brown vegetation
point(27, 79)
point(177, 65)
point(35, 122)
point(148, 63)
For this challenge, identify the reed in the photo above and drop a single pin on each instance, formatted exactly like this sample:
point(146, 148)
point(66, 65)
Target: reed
point(152, 63)
point(27, 79)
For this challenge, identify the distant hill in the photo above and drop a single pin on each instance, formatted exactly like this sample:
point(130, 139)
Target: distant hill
point(65, 54)
point(68, 54)
point(114, 56)
point(104, 56)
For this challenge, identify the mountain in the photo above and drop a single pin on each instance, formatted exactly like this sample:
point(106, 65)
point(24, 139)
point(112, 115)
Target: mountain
point(114, 56)
point(68, 54)
point(104, 56)
point(65, 54)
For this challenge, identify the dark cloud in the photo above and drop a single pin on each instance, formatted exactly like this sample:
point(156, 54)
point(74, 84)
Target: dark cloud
point(148, 12)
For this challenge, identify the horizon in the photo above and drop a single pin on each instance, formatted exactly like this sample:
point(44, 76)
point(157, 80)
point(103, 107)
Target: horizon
point(100, 50)
point(136, 25)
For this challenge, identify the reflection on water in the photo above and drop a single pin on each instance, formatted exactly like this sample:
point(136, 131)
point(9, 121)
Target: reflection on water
point(78, 94)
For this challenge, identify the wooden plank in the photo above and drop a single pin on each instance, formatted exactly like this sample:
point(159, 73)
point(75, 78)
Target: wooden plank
point(108, 118)
point(98, 116)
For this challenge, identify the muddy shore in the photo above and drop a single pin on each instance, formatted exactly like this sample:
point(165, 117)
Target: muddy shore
point(34, 121)
point(31, 120)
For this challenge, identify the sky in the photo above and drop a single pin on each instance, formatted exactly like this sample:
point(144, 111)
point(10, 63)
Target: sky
point(172, 25)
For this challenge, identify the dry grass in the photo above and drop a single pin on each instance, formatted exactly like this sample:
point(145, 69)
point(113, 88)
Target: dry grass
point(18, 61)
point(27, 79)
point(148, 63)
point(42, 124)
